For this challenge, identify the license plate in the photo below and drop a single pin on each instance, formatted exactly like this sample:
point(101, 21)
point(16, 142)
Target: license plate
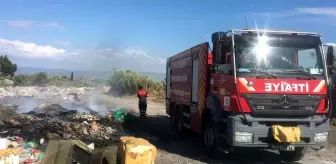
point(284, 148)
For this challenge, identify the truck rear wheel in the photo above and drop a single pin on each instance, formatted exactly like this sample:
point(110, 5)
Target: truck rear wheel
point(176, 122)
point(179, 122)
point(295, 155)
point(172, 122)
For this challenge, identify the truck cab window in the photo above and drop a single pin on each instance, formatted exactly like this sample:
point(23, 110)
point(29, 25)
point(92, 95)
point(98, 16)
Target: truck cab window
point(308, 61)
point(223, 58)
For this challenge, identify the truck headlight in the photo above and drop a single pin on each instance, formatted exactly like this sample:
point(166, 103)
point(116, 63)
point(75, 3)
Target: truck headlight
point(321, 137)
point(243, 137)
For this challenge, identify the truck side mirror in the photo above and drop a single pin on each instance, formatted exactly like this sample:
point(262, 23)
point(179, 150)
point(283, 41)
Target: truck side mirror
point(330, 59)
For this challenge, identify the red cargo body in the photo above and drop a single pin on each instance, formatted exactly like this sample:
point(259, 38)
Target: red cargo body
point(187, 79)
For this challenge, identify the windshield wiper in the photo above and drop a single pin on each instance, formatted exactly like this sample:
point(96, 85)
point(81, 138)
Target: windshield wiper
point(267, 73)
point(303, 72)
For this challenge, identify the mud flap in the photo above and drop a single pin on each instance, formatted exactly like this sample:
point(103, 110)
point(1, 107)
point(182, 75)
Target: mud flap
point(286, 134)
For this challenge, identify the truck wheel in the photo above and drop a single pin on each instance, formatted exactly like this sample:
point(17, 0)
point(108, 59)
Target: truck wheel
point(209, 136)
point(179, 122)
point(295, 155)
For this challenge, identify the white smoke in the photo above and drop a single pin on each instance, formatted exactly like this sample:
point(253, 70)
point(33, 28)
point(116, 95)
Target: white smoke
point(91, 101)
point(94, 104)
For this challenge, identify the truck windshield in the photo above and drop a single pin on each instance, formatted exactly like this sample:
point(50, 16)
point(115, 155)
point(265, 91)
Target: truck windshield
point(279, 55)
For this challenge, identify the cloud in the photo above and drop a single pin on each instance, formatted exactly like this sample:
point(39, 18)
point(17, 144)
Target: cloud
point(46, 56)
point(135, 54)
point(330, 11)
point(20, 23)
point(52, 25)
point(29, 23)
point(26, 49)
point(327, 11)
point(128, 58)
point(62, 42)
point(275, 14)
point(131, 54)
point(331, 44)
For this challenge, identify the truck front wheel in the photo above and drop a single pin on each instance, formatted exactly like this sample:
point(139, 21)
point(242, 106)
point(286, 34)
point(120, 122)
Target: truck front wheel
point(209, 136)
point(295, 155)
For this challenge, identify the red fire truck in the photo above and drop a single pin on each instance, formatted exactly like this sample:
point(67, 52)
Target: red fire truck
point(253, 89)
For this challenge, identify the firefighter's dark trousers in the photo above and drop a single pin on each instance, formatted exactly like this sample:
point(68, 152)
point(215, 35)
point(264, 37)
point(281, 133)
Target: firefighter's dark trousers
point(142, 109)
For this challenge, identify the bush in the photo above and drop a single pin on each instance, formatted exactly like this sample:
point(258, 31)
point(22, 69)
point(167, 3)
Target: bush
point(20, 80)
point(41, 79)
point(126, 82)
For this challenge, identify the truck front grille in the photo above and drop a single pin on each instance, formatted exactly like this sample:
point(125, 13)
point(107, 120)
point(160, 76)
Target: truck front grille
point(274, 103)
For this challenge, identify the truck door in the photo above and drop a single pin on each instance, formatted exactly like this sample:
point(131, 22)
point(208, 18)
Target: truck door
point(222, 85)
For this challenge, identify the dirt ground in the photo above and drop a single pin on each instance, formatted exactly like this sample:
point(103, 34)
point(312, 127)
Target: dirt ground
point(172, 148)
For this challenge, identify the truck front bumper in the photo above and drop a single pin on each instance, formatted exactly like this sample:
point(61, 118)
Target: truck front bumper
point(314, 131)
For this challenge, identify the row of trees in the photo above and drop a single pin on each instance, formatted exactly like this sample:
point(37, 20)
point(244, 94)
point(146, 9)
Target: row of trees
point(122, 82)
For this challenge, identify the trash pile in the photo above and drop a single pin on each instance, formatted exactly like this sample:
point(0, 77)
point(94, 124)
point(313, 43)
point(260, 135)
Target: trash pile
point(15, 150)
point(43, 92)
point(25, 134)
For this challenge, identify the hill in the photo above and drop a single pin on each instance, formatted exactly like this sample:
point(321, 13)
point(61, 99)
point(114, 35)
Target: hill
point(87, 74)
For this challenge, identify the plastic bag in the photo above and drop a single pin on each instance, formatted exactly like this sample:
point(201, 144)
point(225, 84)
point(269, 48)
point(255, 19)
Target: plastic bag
point(119, 114)
point(30, 145)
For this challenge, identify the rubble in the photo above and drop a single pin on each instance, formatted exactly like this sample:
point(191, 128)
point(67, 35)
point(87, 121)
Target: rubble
point(73, 97)
point(7, 113)
point(43, 92)
point(51, 121)
point(50, 109)
point(31, 130)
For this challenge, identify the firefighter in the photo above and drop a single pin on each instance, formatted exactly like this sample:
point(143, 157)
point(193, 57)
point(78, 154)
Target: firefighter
point(142, 95)
point(244, 61)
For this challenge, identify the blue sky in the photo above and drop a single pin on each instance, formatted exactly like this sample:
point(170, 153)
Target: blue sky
point(101, 35)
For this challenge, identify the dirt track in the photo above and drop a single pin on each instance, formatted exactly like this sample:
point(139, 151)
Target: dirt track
point(178, 150)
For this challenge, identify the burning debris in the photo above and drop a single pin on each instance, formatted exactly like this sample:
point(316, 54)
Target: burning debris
point(32, 116)
point(52, 121)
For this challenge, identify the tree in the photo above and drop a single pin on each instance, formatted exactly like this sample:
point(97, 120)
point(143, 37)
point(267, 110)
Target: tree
point(7, 68)
point(71, 76)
